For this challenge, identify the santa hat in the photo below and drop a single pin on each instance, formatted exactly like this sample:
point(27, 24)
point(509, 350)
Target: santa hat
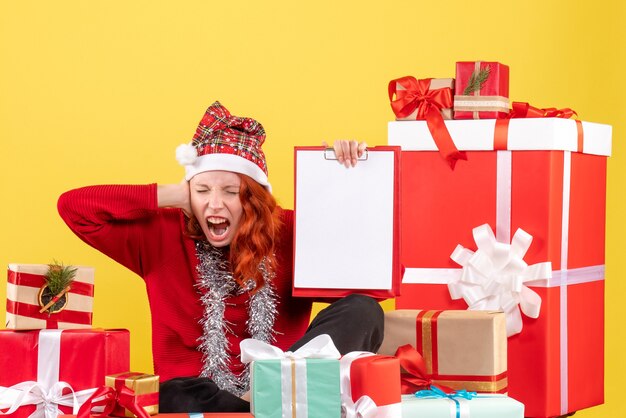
point(227, 143)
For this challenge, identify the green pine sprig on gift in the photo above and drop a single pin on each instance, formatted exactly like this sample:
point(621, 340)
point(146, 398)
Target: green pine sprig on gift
point(58, 277)
point(476, 80)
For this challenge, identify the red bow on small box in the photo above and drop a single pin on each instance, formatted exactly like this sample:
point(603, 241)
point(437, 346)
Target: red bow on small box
point(111, 398)
point(428, 103)
point(416, 378)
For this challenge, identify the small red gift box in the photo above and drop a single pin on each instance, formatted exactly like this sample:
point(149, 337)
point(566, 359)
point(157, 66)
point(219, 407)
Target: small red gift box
point(47, 363)
point(481, 91)
point(370, 385)
point(25, 286)
point(546, 176)
point(145, 389)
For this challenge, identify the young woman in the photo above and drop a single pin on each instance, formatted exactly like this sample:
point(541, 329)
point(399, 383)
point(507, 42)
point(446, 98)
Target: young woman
point(215, 252)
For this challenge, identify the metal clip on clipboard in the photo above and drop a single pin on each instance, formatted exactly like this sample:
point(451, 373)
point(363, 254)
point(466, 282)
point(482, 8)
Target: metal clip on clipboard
point(329, 154)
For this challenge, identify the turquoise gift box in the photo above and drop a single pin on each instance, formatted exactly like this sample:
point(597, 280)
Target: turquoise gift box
point(294, 388)
point(481, 406)
point(299, 384)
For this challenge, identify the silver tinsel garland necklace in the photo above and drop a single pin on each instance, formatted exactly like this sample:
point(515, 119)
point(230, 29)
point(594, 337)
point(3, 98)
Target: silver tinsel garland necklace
point(217, 285)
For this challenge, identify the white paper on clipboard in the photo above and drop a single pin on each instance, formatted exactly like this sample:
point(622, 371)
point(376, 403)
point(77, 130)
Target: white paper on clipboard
point(344, 221)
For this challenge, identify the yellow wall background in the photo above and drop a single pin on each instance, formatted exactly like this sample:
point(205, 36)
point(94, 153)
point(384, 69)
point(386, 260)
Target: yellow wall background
point(103, 91)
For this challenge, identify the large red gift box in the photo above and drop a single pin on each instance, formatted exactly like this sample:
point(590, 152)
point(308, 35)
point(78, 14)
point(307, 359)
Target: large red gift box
point(49, 364)
point(547, 177)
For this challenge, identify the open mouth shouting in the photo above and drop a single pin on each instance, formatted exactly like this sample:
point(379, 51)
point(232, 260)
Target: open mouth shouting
point(218, 228)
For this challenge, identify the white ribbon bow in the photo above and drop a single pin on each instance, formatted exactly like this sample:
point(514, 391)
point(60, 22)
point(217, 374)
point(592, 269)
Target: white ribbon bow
point(319, 347)
point(46, 399)
point(493, 277)
point(364, 407)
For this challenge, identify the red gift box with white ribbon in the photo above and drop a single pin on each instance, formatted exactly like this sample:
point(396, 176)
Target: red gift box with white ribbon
point(50, 372)
point(540, 184)
point(25, 284)
point(370, 385)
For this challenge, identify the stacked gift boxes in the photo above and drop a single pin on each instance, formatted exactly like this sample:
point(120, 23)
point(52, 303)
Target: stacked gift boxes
point(518, 227)
point(53, 361)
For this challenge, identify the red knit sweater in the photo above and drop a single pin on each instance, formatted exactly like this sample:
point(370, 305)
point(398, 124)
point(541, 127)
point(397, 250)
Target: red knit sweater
point(125, 223)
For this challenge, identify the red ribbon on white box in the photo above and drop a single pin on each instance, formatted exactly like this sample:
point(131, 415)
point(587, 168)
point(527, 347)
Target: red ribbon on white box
point(47, 392)
point(560, 278)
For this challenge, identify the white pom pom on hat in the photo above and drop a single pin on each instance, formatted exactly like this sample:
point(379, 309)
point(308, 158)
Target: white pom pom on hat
point(186, 154)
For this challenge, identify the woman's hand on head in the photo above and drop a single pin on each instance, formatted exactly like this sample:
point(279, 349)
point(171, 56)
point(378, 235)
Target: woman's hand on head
point(347, 151)
point(175, 196)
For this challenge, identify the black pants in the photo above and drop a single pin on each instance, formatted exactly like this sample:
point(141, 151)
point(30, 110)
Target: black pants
point(355, 323)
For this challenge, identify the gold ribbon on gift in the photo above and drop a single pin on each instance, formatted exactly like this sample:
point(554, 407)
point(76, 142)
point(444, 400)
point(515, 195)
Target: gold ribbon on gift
point(293, 387)
point(426, 343)
point(145, 387)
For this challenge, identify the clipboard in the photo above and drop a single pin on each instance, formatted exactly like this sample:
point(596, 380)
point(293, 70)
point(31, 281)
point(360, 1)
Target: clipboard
point(346, 229)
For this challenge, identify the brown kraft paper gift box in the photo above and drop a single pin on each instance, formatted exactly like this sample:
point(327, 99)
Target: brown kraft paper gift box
point(461, 349)
point(435, 83)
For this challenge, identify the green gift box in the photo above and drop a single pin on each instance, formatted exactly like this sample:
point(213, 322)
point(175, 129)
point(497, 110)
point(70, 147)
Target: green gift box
point(299, 384)
point(481, 406)
point(294, 388)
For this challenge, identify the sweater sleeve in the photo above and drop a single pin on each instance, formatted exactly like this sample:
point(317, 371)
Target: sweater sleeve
point(118, 220)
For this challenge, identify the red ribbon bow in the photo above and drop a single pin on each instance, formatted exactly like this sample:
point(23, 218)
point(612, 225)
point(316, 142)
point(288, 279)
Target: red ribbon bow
point(109, 398)
point(428, 103)
point(416, 378)
point(416, 95)
point(525, 110)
